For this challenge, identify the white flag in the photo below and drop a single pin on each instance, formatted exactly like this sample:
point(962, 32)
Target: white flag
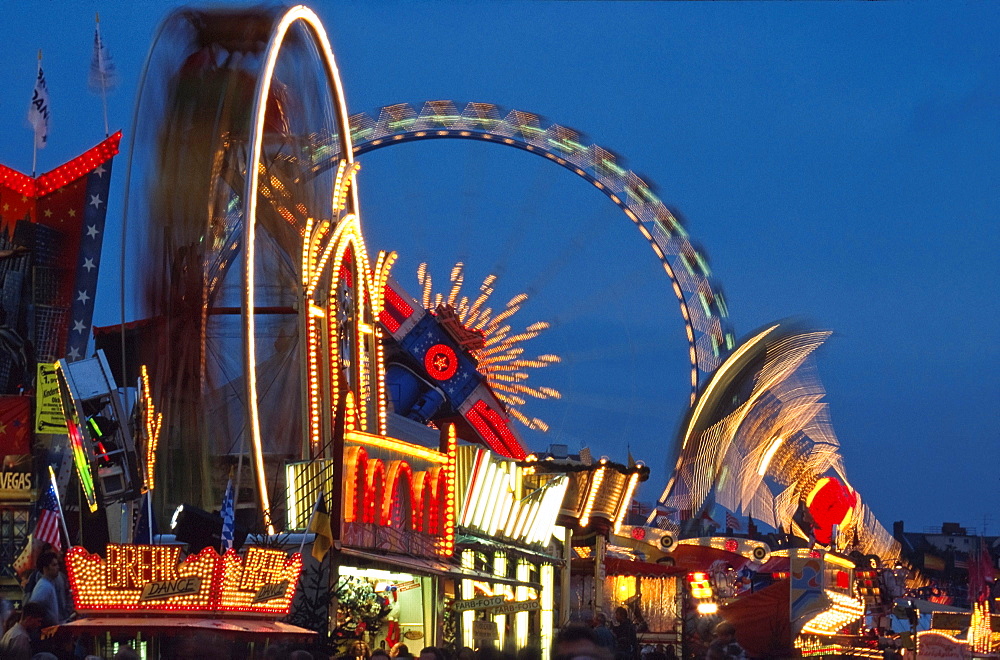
point(38, 111)
point(103, 77)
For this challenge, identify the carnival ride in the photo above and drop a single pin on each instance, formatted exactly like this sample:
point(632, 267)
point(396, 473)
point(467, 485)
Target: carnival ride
point(252, 124)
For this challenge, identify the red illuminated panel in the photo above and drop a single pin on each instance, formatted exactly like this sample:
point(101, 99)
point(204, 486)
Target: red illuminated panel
point(398, 486)
point(493, 428)
point(395, 311)
point(844, 580)
point(63, 174)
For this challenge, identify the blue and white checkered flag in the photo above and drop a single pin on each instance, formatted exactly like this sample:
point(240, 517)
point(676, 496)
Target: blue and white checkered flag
point(228, 517)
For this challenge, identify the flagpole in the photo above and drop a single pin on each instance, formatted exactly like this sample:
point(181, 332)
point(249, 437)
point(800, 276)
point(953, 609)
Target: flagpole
point(34, 137)
point(100, 69)
point(312, 517)
point(62, 519)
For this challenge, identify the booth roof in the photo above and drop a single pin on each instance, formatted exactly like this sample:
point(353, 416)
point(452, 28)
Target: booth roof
point(181, 625)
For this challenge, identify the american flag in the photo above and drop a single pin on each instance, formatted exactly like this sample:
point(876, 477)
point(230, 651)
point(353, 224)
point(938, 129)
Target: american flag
point(732, 522)
point(47, 527)
point(228, 517)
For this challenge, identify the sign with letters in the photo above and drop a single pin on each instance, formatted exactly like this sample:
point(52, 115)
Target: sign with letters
point(49, 416)
point(260, 583)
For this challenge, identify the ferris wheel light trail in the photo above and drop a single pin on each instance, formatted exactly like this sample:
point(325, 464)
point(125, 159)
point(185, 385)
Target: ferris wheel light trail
point(703, 310)
point(307, 16)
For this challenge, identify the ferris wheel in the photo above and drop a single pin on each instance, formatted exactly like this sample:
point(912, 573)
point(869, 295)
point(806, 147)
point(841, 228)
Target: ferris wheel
point(242, 141)
point(702, 307)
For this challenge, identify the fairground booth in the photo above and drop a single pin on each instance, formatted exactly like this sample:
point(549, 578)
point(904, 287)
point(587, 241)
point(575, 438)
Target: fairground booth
point(164, 606)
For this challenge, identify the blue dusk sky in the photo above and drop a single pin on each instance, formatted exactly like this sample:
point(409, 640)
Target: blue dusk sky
point(837, 162)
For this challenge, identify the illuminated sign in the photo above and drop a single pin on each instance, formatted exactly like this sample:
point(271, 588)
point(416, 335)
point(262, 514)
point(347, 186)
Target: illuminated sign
point(49, 416)
point(700, 585)
point(477, 603)
point(498, 504)
point(152, 578)
point(517, 606)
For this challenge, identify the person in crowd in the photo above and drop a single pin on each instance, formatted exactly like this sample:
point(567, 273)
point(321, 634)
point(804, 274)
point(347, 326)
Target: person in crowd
point(626, 641)
point(431, 653)
point(465, 653)
point(126, 652)
point(605, 637)
point(47, 589)
point(17, 642)
point(300, 654)
point(358, 651)
point(380, 654)
point(400, 650)
point(578, 641)
point(724, 645)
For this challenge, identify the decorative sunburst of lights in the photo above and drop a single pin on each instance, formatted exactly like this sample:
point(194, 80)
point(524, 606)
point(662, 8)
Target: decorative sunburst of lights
point(500, 356)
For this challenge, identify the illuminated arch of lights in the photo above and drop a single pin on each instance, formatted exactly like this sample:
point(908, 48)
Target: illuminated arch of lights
point(251, 191)
point(702, 306)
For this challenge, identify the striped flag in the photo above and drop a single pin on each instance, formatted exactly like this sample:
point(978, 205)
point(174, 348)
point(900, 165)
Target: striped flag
point(228, 517)
point(732, 522)
point(47, 527)
point(38, 111)
point(103, 77)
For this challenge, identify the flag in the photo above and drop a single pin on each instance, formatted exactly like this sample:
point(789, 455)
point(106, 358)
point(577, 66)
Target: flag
point(25, 561)
point(60, 216)
point(47, 527)
point(320, 525)
point(38, 111)
point(732, 522)
point(662, 516)
point(103, 77)
point(228, 517)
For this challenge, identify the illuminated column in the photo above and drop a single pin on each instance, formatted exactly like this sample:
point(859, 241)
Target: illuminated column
point(521, 618)
point(468, 591)
point(500, 570)
point(547, 602)
point(599, 551)
point(565, 581)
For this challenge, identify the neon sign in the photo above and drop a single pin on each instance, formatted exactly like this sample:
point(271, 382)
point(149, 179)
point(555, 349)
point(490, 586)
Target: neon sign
point(152, 578)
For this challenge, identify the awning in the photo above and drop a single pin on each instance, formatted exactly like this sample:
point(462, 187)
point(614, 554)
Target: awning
point(473, 540)
point(761, 621)
point(433, 567)
point(181, 625)
point(616, 566)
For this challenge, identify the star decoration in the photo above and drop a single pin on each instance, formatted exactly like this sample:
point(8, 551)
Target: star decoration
point(88, 263)
point(92, 231)
point(99, 170)
point(73, 354)
point(3, 428)
point(82, 297)
point(48, 213)
point(78, 326)
point(95, 201)
point(72, 213)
